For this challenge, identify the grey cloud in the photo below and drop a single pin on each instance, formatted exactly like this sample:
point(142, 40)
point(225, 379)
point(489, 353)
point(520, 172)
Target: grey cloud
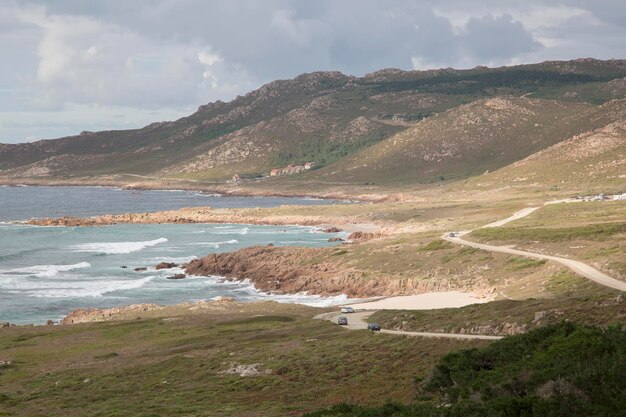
point(144, 54)
point(489, 38)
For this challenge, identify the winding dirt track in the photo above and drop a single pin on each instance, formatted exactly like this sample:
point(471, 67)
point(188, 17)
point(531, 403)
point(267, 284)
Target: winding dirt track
point(576, 266)
point(358, 320)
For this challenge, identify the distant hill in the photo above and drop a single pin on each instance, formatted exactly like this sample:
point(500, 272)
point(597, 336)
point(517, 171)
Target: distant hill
point(390, 126)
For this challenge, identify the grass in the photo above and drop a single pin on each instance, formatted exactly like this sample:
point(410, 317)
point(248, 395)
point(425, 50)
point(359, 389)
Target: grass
point(598, 232)
point(517, 264)
point(580, 214)
point(173, 365)
point(437, 244)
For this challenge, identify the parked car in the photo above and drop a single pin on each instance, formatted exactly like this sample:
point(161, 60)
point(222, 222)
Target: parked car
point(342, 321)
point(347, 310)
point(452, 234)
point(375, 327)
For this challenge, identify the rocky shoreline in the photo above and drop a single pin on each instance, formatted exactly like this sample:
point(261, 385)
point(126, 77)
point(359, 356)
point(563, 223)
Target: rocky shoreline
point(292, 270)
point(91, 315)
point(226, 189)
point(211, 215)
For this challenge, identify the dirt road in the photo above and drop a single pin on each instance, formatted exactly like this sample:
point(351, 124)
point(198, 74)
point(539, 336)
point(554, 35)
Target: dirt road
point(358, 321)
point(576, 266)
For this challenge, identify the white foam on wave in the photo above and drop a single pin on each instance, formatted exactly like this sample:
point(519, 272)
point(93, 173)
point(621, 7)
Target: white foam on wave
point(46, 271)
point(243, 231)
point(176, 260)
point(216, 245)
point(115, 248)
point(302, 298)
point(245, 290)
point(71, 289)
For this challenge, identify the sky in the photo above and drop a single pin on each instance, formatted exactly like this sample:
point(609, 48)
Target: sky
point(72, 65)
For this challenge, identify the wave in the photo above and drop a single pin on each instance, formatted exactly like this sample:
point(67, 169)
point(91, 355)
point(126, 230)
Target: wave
point(176, 260)
point(115, 248)
point(246, 291)
point(243, 231)
point(72, 289)
point(46, 271)
point(300, 298)
point(216, 245)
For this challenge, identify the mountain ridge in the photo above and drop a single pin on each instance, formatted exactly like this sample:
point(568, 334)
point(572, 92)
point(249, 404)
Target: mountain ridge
point(334, 119)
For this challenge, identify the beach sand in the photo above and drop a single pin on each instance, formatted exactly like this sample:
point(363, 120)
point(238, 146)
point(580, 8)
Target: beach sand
point(426, 301)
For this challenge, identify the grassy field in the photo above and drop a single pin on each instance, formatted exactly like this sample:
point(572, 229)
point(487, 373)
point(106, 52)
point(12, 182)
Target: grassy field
point(591, 232)
point(596, 232)
point(181, 365)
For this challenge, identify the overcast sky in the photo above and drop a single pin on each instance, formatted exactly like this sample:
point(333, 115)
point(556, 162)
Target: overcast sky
point(73, 65)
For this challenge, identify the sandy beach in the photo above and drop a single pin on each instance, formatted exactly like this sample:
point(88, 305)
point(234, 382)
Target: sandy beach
point(426, 301)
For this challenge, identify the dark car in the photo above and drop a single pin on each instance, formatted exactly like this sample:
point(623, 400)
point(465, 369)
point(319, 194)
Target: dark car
point(375, 327)
point(343, 321)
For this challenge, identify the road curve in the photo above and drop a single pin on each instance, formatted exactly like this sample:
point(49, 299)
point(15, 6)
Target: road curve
point(576, 266)
point(358, 321)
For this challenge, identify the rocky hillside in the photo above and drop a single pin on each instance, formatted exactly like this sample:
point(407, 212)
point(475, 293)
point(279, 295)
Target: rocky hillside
point(596, 157)
point(391, 125)
point(468, 140)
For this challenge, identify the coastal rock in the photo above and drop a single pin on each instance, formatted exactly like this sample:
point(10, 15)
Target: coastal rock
point(336, 239)
point(332, 230)
point(245, 370)
point(290, 270)
point(363, 236)
point(82, 315)
point(199, 215)
point(177, 276)
point(165, 265)
point(140, 269)
point(134, 311)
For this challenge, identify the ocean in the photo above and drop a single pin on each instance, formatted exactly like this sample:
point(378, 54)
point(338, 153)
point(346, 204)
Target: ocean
point(45, 272)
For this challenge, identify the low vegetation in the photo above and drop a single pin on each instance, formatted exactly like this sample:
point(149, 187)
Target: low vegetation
point(559, 370)
point(260, 359)
point(599, 232)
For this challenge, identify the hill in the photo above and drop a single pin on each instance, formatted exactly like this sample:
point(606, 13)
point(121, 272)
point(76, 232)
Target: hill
point(594, 158)
point(444, 117)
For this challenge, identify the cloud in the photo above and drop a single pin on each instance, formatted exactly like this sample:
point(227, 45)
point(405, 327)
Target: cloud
point(490, 38)
point(86, 61)
point(142, 55)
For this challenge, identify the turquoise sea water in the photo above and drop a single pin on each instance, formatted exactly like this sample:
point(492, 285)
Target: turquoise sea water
point(45, 272)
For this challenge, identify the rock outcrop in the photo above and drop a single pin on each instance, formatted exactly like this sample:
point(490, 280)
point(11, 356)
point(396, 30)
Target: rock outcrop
point(292, 270)
point(165, 265)
point(133, 311)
